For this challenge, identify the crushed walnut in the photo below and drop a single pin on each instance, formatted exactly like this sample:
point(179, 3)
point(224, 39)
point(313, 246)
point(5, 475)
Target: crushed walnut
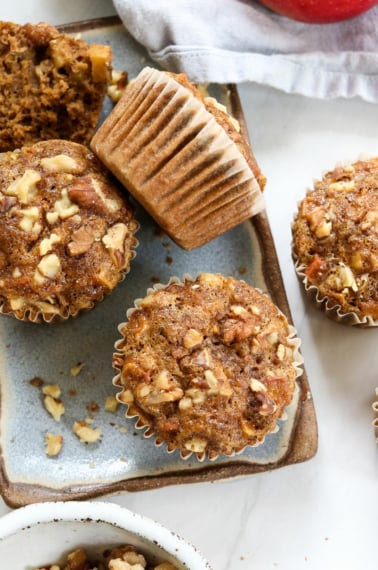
point(121, 558)
point(85, 432)
point(54, 443)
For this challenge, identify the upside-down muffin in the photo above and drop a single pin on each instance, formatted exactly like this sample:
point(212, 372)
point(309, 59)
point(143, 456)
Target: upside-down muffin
point(335, 243)
point(66, 231)
point(208, 365)
point(182, 156)
point(51, 85)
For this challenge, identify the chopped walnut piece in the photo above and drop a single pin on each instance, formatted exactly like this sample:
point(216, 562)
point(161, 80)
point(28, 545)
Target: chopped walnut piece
point(114, 241)
point(82, 192)
point(24, 187)
point(64, 207)
point(75, 370)
point(257, 386)
point(82, 240)
point(86, 433)
point(60, 163)
point(46, 244)
point(52, 390)
point(77, 560)
point(192, 338)
point(29, 221)
point(111, 404)
point(342, 186)
point(54, 443)
point(196, 444)
point(49, 266)
point(118, 85)
point(54, 407)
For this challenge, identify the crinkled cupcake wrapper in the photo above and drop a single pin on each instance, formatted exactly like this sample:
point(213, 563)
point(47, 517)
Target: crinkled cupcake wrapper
point(34, 314)
point(334, 312)
point(165, 139)
point(132, 412)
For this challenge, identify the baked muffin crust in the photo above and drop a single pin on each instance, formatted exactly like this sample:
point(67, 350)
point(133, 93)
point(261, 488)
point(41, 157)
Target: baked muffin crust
point(66, 231)
point(335, 239)
point(209, 365)
point(51, 85)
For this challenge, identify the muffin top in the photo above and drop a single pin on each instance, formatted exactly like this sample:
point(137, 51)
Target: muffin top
point(51, 85)
point(335, 238)
point(66, 231)
point(208, 364)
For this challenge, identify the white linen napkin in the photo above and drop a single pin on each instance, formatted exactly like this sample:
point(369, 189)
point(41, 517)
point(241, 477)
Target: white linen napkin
point(232, 41)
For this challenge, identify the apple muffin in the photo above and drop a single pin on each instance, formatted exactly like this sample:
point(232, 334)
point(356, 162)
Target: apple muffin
point(51, 85)
point(182, 156)
point(206, 365)
point(66, 231)
point(335, 243)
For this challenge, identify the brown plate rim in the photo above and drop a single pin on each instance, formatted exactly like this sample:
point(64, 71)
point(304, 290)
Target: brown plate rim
point(304, 438)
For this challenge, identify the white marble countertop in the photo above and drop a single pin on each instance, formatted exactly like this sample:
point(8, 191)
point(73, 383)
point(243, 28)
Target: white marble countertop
point(321, 514)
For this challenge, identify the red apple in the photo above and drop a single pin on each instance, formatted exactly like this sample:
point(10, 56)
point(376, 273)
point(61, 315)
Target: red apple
point(319, 11)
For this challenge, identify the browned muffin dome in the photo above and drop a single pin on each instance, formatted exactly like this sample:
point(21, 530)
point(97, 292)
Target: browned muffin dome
point(51, 85)
point(209, 365)
point(335, 242)
point(66, 231)
point(182, 157)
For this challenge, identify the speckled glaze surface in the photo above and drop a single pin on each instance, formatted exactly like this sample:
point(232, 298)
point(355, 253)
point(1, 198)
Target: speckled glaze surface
point(44, 533)
point(122, 459)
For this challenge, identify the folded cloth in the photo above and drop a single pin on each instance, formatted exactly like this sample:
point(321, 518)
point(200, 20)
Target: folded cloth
point(232, 41)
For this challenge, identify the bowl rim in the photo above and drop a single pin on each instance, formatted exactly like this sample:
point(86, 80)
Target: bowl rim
point(111, 513)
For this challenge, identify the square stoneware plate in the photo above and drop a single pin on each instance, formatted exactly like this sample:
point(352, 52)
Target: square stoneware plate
point(77, 355)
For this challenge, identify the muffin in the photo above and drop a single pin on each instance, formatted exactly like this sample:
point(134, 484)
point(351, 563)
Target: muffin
point(335, 243)
point(66, 231)
point(182, 157)
point(207, 365)
point(51, 85)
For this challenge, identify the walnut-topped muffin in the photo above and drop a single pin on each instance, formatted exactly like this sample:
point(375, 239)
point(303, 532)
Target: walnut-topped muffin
point(208, 365)
point(335, 243)
point(66, 231)
point(51, 85)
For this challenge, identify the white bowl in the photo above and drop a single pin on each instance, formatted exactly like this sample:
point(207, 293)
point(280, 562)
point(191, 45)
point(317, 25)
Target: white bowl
point(42, 533)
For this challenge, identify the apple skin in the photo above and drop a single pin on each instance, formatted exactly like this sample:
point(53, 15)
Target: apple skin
point(319, 11)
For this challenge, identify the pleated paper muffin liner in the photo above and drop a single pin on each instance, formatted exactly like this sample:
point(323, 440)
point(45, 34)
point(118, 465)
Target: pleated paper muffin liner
point(142, 423)
point(332, 311)
point(163, 144)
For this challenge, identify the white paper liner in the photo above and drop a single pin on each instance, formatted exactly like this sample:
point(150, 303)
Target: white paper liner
point(148, 432)
point(334, 312)
point(177, 160)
